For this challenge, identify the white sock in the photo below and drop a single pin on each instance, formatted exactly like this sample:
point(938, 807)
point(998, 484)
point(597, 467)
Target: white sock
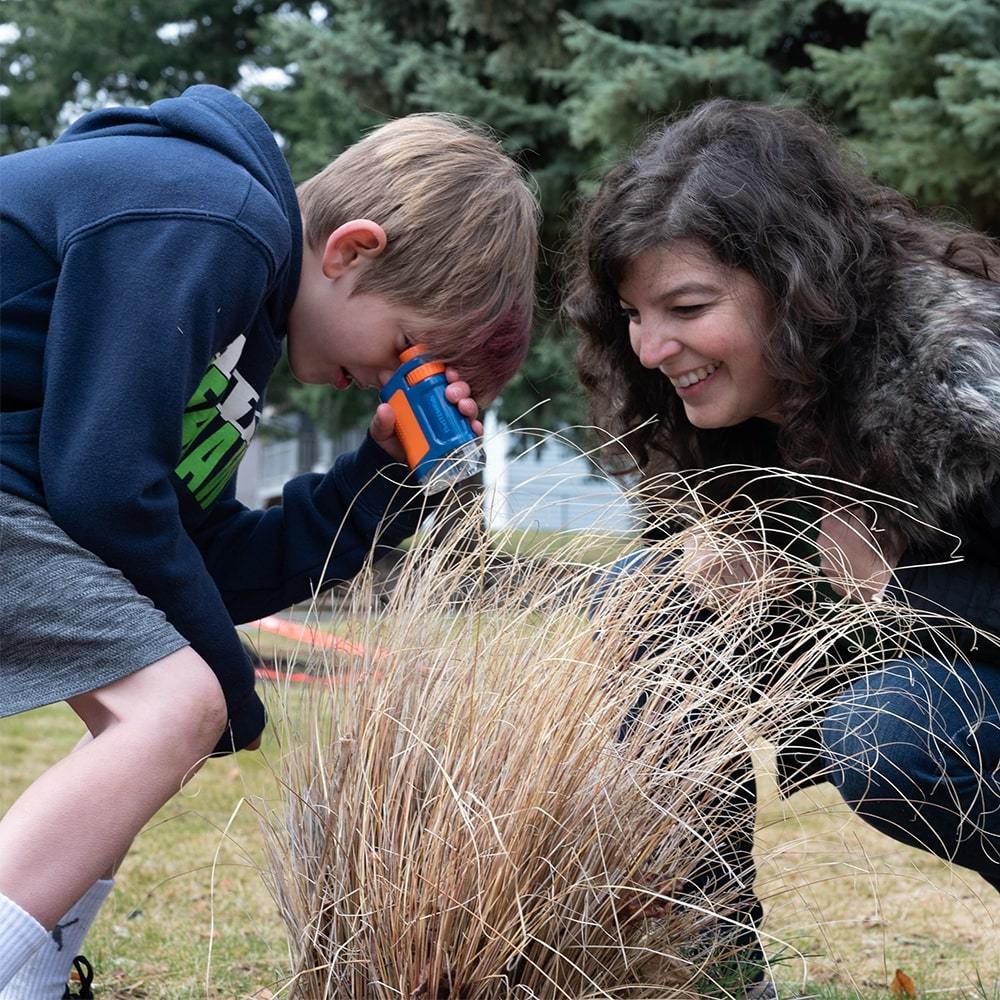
point(45, 974)
point(20, 936)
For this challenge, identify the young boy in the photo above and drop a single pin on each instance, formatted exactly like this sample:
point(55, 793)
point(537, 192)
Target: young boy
point(155, 259)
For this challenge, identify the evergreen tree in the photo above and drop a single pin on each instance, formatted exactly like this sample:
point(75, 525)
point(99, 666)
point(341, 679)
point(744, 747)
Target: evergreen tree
point(84, 53)
point(920, 98)
point(567, 84)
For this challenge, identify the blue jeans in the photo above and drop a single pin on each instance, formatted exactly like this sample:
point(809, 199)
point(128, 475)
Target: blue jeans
point(914, 749)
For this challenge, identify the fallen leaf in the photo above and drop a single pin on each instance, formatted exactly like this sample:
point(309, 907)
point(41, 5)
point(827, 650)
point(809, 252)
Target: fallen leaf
point(903, 986)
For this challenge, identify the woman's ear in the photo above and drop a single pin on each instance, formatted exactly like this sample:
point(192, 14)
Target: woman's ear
point(350, 244)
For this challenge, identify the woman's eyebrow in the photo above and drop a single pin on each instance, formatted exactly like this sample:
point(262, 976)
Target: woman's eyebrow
point(689, 288)
point(685, 288)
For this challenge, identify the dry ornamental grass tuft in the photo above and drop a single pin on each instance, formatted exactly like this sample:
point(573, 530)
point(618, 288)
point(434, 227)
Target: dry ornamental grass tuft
point(521, 793)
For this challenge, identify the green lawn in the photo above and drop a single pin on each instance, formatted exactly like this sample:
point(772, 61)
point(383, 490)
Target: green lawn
point(588, 547)
point(190, 909)
point(189, 906)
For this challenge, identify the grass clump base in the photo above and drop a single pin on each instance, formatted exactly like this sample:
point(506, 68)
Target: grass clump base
point(518, 789)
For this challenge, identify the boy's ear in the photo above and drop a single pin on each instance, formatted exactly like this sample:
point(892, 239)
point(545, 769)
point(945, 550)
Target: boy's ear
point(351, 243)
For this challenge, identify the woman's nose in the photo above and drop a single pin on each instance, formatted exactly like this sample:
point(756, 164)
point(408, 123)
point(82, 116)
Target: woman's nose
point(654, 347)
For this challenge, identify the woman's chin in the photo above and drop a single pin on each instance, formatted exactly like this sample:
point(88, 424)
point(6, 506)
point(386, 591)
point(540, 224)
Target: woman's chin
point(703, 420)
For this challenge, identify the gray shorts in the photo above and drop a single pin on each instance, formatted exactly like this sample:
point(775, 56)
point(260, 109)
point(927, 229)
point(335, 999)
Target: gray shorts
point(69, 623)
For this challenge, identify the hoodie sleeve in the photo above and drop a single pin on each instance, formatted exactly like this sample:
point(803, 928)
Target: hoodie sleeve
point(324, 531)
point(139, 305)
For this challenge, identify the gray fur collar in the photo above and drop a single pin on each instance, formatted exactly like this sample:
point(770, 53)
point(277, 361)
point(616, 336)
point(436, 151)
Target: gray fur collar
point(931, 409)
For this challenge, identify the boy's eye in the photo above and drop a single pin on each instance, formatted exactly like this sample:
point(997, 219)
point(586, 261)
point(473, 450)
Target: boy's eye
point(690, 310)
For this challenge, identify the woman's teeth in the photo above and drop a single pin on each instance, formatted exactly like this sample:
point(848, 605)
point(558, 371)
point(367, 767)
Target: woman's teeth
point(690, 378)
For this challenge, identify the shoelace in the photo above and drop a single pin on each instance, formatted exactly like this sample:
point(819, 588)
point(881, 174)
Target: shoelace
point(85, 972)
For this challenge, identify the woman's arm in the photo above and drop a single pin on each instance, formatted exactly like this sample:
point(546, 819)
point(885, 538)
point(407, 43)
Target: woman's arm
point(854, 560)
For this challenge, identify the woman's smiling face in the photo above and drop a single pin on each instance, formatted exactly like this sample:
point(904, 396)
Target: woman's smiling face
point(702, 325)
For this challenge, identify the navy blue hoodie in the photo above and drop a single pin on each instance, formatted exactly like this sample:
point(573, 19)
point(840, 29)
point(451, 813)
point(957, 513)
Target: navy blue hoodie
point(150, 259)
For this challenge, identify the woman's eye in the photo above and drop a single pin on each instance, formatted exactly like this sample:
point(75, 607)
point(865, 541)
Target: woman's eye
point(689, 310)
point(632, 315)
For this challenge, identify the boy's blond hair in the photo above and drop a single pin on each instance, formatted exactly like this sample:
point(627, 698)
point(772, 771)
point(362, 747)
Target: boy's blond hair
point(462, 228)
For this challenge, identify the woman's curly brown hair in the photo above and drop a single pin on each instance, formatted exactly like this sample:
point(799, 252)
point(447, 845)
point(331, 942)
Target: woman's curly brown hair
point(768, 191)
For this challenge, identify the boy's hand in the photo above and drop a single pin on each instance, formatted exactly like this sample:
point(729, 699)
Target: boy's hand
point(383, 424)
point(459, 393)
point(382, 430)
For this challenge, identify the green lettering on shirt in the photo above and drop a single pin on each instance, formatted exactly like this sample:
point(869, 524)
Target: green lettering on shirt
point(204, 459)
point(209, 493)
point(201, 406)
point(218, 422)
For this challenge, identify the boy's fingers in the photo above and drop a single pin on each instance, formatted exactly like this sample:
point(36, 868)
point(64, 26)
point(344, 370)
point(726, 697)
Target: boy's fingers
point(458, 390)
point(383, 423)
point(477, 427)
point(383, 433)
point(460, 394)
point(468, 408)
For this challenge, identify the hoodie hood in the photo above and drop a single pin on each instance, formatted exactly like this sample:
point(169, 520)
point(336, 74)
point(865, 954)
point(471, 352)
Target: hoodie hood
point(153, 255)
point(216, 118)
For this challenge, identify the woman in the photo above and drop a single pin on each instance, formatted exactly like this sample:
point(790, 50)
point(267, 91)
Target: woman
point(745, 294)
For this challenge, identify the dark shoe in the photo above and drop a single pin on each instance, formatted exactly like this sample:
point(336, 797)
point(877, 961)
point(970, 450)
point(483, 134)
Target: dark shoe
point(85, 973)
point(763, 989)
point(732, 963)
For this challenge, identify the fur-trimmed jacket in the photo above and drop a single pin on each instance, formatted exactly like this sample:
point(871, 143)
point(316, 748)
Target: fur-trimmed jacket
point(932, 407)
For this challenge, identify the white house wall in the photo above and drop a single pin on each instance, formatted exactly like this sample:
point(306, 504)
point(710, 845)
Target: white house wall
point(532, 480)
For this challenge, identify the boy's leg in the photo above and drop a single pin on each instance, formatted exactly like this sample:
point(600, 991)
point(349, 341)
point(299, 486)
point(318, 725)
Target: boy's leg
point(151, 730)
point(21, 935)
point(45, 973)
point(914, 749)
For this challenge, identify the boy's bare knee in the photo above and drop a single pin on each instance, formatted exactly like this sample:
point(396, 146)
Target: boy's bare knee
point(176, 699)
point(199, 706)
